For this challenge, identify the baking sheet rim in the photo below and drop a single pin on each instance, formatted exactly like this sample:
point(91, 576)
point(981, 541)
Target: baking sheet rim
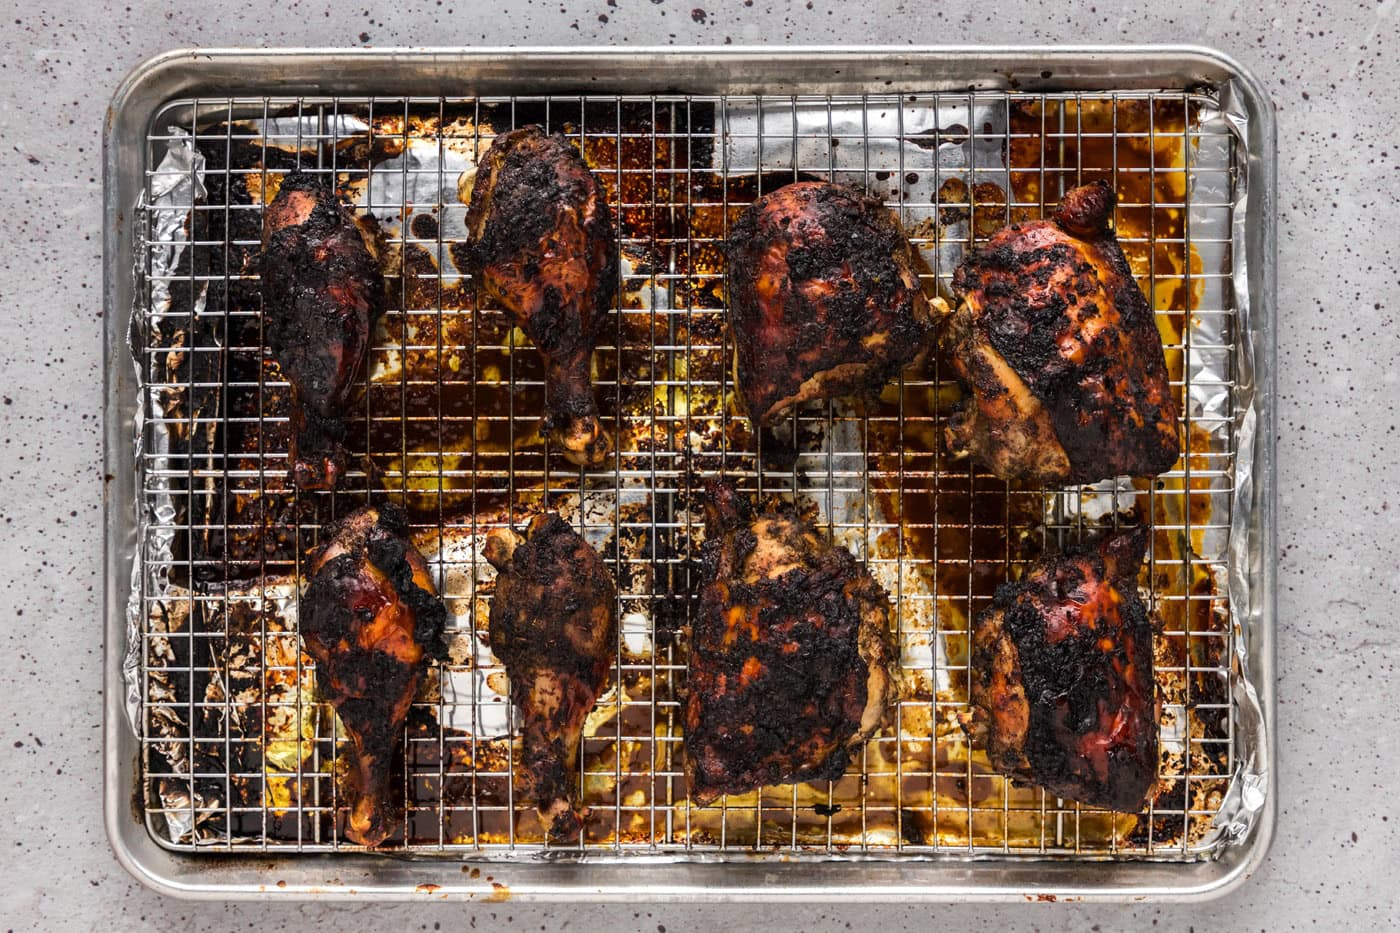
point(1254, 612)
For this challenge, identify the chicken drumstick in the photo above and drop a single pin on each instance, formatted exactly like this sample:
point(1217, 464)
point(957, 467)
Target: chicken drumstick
point(371, 619)
point(322, 293)
point(543, 245)
point(554, 627)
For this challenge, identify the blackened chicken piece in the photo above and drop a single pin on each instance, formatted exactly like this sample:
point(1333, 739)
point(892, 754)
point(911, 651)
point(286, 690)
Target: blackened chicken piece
point(554, 627)
point(1063, 689)
point(371, 619)
point(1060, 353)
point(824, 301)
point(543, 246)
point(322, 293)
point(790, 663)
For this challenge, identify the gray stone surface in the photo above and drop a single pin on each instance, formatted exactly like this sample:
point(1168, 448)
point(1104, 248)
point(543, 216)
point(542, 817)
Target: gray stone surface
point(1332, 68)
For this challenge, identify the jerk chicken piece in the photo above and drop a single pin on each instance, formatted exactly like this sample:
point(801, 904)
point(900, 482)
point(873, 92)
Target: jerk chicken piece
point(790, 665)
point(1063, 689)
point(1060, 353)
point(543, 246)
point(823, 298)
point(371, 619)
point(322, 293)
point(554, 627)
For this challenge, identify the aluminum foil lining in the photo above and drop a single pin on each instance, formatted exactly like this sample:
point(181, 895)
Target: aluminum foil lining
point(177, 186)
point(847, 142)
point(1247, 794)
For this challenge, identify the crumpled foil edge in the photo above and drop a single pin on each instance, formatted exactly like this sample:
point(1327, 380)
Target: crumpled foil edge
point(176, 187)
point(1247, 792)
point(155, 508)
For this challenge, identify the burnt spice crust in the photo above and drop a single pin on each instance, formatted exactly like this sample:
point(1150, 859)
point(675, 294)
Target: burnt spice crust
point(852, 244)
point(791, 689)
point(369, 687)
point(1113, 411)
point(298, 267)
point(325, 611)
point(388, 553)
point(1066, 681)
point(322, 294)
point(1023, 331)
point(552, 555)
point(534, 178)
point(553, 625)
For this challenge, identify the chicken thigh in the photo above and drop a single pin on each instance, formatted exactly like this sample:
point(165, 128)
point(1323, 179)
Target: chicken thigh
point(1063, 688)
point(322, 293)
point(790, 665)
point(1060, 353)
point(554, 626)
point(371, 619)
point(543, 246)
point(823, 298)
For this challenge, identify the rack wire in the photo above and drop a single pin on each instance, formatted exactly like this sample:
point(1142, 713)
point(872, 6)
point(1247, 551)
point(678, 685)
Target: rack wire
point(237, 752)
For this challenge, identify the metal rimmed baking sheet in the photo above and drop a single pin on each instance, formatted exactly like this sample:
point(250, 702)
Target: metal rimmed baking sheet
point(842, 474)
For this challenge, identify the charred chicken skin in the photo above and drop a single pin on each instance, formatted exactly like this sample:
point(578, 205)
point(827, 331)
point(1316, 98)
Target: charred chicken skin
point(554, 626)
point(823, 297)
point(790, 664)
point(322, 293)
point(1060, 353)
point(1063, 690)
point(371, 619)
point(543, 246)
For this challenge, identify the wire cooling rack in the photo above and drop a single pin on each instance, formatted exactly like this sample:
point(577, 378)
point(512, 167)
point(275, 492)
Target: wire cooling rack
point(237, 752)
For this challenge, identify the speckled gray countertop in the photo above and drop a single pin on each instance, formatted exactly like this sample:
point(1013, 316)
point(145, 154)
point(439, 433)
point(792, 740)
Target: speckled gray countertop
point(1332, 69)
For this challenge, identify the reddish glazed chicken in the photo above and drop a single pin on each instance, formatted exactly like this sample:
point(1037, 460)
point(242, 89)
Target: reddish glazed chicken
point(543, 246)
point(322, 293)
point(823, 297)
point(1060, 354)
point(372, 620)
point(790, 665)
point(1063, 689)
point(554, 627)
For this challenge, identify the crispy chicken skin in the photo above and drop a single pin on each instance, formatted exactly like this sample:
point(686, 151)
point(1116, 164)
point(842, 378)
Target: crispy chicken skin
point(823, 298)
point(371, 619)
point(1063, 689)
point(554, 626)
point(543, 246)
point(790, 664)
point(1060, 354)
point(322, 293)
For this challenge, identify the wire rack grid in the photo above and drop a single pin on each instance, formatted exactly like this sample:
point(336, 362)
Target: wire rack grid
point(236, 750)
